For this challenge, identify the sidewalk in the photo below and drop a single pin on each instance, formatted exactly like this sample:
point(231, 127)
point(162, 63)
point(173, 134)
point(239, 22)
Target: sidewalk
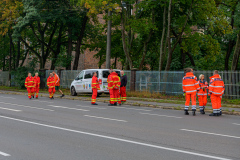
point(140, 103)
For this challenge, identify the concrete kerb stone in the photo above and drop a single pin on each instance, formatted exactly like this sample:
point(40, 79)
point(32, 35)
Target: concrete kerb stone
point(127, 103)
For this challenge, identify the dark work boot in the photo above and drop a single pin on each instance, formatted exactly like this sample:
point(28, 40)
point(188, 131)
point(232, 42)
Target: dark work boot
point(193, 113)
point(202, 111)
point(110, 104)
point(186, 113)
point(115, 104)
point(213, 114)
point(220, 113)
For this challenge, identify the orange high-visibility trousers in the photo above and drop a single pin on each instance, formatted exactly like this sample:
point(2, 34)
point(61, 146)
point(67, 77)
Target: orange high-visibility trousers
point(115, 95)
point(30, 91)
point(123, 94)
point(202, 101)
point(216, 103)
point(111, 96)
point(51, 92)
point(193, 99)
point(94, 95)
point(36, 90)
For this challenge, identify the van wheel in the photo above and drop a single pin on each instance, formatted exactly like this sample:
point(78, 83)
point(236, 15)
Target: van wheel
point(99, 94)
point(73, 91)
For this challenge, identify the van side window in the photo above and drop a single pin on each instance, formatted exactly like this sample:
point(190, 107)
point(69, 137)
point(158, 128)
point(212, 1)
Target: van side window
point(89, 74)
point(80, 76)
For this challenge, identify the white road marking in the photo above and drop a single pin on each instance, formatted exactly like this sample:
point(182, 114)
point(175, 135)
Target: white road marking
point(216, 134)
point(91, 107)
point(106, 118)
point(236, 124)
point(10, 109)
point(134, 109)
point(119, 139)
point(161, 115)
point(42, 101)
point(68, 108)
point(26, 106)
point(8, 97)
point(4, 154)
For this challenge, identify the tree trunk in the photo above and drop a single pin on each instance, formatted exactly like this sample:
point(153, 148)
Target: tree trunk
point(69, 51)
point(236, 54)
point(162, 39)
point(18, 53)
point(79, 42)
point(169, 38)
point(108, 53)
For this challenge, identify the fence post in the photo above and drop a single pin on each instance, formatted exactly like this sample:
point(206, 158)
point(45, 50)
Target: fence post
point(133, 79)
point(42, 77)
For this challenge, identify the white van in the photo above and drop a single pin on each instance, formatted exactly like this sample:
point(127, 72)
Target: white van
point(82, 83)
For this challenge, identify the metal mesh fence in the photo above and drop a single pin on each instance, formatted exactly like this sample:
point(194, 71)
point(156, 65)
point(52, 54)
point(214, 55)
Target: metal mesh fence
point(170, 82)
point(67, 77)
point(4, 76)
point(128, 74)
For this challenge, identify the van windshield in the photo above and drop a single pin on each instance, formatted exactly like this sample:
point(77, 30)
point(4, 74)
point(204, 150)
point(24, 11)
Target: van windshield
point(106, 73)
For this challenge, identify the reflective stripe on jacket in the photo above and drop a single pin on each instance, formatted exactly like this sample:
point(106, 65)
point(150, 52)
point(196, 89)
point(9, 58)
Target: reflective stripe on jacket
point(29, 82)
point(50, 82)
point(110, 81)
point(37, 81)
point(216, 85)
point(95, 83)
point(203, 84)
point(190, 83)
point(116, 80)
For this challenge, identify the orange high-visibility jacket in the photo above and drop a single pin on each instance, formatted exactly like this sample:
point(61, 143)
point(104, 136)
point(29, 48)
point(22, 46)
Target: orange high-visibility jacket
point(116, 80)
point(190, 84)
point(95, 83)
point(216, 85)
point(50, 82)
point(110, 81)
point(57, 80)
point(29, 82)
point(203, 84)
point(37, 81)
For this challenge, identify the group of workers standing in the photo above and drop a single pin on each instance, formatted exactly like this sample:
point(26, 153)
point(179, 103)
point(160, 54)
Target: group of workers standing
point(33, 84)
point(116, 87)
point(191, 87)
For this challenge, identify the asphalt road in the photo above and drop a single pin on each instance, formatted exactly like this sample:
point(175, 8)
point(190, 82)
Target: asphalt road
point(63, 129)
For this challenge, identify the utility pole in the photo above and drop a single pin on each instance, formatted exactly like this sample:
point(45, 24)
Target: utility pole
point(108, 53)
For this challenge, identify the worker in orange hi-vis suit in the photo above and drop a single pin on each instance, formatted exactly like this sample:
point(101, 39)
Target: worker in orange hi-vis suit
point(190, 87)
point(110, 88)
point(30, 85)
point(51, 86)
point(216, 90)
point(57, 83)
point(202, 93)
point(37, 84)
point(95, 87)
point(116, 88)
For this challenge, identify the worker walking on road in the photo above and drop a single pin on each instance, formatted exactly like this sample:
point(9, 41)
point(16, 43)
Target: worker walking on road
point(216, 90)
point(95, 88)
point(37, 84)
point(202, 93)
point(190, 87)
point(123, 87)
point(110, 88)
point(51, 86)
point(116, 88)
point(57, 83)
point(30, 85)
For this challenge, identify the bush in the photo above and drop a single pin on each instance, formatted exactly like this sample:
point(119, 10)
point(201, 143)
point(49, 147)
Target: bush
point(19, 76)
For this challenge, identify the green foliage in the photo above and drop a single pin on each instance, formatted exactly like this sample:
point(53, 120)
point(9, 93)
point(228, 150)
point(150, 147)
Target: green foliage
point(20, 74)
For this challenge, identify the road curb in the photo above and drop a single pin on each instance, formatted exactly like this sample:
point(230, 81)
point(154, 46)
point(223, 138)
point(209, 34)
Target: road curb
point(129, 103)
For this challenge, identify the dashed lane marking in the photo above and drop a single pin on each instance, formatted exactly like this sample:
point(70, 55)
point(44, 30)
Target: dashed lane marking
point(119, 139)
point(4, 154)
point(42, 101)
point(105, 118)
point(161, 115)
point(91, 107)
point(216, 134)
point(68, 108)
point(27, 106)
point(236, 124)
point(10, 109)
point(8, 97)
